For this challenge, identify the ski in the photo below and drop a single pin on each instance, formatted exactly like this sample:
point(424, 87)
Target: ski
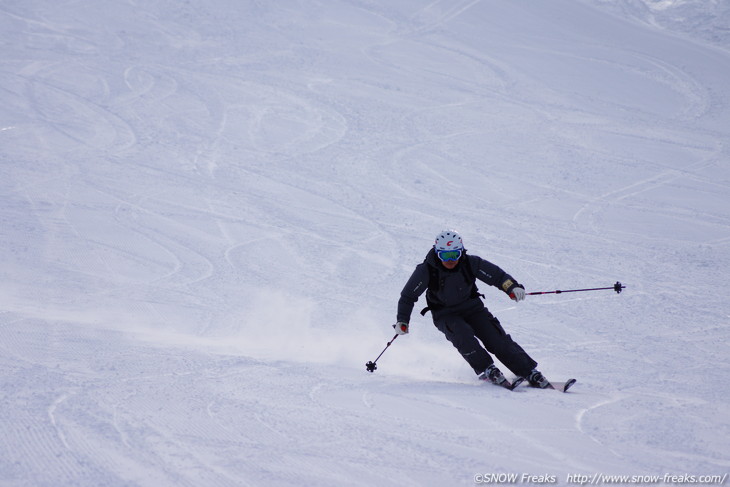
point(564, 386)
point(558, 386)
point(507, 384)
point(514, 384)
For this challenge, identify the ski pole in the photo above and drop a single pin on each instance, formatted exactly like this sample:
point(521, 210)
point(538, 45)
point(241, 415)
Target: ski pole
point(370, 366)
point(618, 287)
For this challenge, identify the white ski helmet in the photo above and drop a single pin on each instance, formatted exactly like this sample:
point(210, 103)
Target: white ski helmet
point(448, 240)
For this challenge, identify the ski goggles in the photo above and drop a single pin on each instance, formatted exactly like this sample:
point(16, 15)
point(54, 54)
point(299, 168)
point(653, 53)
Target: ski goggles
point(448, 255)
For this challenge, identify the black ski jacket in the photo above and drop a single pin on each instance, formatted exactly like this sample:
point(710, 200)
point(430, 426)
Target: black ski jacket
point(451, 287)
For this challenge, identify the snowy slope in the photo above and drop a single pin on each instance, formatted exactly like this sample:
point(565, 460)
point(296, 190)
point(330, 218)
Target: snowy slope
point(208, 210)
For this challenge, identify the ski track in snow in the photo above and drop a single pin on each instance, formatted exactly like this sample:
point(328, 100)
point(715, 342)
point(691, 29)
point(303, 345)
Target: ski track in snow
point(208, 213)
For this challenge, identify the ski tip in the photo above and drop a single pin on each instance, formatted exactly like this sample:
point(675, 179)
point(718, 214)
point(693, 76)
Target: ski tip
point(568, 384)
point(516, 382)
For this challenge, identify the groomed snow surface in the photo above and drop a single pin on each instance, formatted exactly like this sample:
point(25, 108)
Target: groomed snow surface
point(208, 211)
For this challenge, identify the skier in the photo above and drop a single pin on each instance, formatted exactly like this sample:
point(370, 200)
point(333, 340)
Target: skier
point(448, 275)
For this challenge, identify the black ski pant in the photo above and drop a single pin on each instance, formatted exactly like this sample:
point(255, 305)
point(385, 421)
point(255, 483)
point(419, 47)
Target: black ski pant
point(468, 324)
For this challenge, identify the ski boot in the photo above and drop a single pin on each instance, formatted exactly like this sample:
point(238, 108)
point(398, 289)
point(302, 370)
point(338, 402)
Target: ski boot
point(495, 376)
point(536, 379)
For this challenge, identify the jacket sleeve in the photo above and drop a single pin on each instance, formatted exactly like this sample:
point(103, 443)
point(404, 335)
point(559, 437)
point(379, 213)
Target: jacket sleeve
point(413, 289)
point(493, 275)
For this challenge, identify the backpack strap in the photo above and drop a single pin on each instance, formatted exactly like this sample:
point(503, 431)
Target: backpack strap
point(435, 282)
point(473, 278)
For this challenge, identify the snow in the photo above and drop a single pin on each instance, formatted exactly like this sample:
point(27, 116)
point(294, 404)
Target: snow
point(208, 211)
